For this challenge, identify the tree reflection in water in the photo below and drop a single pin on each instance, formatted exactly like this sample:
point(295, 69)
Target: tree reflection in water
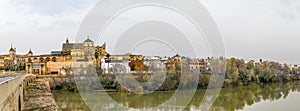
point(229, 99)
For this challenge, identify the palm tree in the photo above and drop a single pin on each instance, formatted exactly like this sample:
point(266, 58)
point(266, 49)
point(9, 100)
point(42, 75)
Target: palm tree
point(96, 57)
point(108, 57)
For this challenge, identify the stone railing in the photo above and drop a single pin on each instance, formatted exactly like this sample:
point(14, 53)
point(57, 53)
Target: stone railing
point(12, 91)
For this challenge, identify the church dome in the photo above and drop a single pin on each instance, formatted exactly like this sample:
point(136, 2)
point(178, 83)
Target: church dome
point(88, 40)
point(128, 54)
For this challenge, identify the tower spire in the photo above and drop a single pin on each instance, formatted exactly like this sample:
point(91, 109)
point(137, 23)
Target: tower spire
point(11, 48)
point(67, 40)
point(30, 53)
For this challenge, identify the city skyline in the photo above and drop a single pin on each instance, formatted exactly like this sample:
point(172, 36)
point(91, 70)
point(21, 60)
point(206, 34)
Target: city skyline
point(251, 30)
point(67, 39)
point(90, 55)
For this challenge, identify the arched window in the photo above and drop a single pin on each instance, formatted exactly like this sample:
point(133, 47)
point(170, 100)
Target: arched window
point(35, 59)
point(54, 59)
point(42, 60)
point(47, 59)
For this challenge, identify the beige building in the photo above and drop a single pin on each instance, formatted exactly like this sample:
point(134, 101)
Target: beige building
point(62, 62)
point(2, 62)
point(71, 56)
point(12, 60)
point(127, 56)
point(57, 62)
point(39, 64)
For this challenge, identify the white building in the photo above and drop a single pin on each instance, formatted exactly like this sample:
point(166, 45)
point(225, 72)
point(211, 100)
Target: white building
point(115, 66)
point(151, 58)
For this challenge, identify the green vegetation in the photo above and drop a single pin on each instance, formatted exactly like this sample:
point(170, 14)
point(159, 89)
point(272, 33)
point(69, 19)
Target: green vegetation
point(132, 67)
point(20, 68)
point(96, 55)
point(239, 73)
point(66, 87)
point(108, 82)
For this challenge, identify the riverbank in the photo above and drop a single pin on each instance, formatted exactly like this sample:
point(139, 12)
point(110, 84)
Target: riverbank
point(171, 82)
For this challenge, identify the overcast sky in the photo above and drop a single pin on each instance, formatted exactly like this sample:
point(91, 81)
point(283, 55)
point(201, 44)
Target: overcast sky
point(251, 29)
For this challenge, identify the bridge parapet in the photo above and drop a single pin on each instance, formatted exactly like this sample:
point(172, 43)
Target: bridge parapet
point(12, 91)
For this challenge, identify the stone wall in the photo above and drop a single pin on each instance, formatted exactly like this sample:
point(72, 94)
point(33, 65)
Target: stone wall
point(57, 81)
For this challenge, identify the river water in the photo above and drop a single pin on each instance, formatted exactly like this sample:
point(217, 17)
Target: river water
point(270, 97)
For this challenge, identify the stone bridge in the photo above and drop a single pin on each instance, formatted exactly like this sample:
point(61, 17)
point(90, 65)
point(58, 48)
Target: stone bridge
point(12, 91)
point(23, 92)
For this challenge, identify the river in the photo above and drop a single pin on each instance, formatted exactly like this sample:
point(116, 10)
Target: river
point(270, 97)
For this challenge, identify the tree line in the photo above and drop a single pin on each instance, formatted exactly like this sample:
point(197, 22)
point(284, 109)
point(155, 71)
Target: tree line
point(239, 72)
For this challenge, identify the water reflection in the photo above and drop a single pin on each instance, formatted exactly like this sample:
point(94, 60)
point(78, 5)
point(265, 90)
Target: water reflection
point(69, 101)
point(230, 99)
point(237, 98)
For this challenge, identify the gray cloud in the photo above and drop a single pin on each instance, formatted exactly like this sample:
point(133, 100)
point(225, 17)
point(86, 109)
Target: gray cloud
point(51, 7)
point(255, 29)
point(40, 25)
point(252, 29)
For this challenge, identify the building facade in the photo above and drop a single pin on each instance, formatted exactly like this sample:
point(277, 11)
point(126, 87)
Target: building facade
point(57, 62)
point(13, 61)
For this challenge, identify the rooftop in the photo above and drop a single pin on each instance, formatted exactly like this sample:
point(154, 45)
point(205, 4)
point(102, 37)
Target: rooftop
point(88, 40)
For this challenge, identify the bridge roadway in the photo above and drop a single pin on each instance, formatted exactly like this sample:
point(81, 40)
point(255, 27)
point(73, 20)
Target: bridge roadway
point(3, 79)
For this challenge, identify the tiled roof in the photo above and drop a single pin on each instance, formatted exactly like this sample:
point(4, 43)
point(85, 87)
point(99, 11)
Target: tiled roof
point(73, 46)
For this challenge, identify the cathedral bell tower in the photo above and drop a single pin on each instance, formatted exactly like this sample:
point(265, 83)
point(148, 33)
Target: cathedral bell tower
point(30, 53)
point(12, 53)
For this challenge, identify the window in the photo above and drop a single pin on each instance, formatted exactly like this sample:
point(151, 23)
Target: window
point(53, 59)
